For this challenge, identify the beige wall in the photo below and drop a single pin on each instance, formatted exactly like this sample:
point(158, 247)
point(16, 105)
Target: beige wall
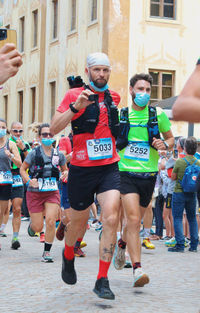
point(133, 41)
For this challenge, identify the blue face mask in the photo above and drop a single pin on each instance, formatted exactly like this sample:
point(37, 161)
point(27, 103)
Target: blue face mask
point(47, 141)
point(2, 133)
point(141, 99)
point(98, 89)
point(16, 138)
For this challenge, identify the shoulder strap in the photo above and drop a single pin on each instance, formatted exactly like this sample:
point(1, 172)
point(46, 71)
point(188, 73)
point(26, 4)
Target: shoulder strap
point(39, 161)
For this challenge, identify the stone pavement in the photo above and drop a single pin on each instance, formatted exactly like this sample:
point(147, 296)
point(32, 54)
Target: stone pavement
point(30, 286)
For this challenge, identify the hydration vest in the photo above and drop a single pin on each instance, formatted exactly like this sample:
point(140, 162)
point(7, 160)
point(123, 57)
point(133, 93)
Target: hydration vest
point(42, 168)
point(152, 128)
point(88, 121)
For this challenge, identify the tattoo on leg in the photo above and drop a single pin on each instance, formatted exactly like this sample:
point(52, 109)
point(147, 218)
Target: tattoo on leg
point(107, 251)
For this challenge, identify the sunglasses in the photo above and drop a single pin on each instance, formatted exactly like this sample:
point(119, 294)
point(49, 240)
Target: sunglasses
point(16, 131)
point(45, 135)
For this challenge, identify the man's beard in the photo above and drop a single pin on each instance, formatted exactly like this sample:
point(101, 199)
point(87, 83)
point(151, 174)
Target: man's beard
point(133, 95)
point(96, 83)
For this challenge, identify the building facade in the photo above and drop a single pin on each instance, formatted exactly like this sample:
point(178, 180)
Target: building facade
point(55, 36)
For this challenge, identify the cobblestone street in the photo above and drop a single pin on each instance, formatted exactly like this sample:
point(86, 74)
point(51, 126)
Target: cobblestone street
point(30, 286)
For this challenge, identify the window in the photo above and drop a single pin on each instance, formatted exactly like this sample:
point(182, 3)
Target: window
point(53, 97)
point(5, 98)
point(94, 10)
point(55, 19)
point(35, 28)
point(33, 104)
point(21, 100)
point(163, 8)
point(21, 36)
point(73, 15)
point(163, 85)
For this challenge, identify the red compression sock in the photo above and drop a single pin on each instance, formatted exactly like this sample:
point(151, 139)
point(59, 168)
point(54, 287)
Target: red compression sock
point(103, 269)
point(69, 252)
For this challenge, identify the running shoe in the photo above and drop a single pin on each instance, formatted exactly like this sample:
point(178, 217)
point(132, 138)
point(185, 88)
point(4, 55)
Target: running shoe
point(60, 232)
point(37, 234)
point(102, 289)
point(46, 257)
point(15, 244)
point(24, 218)
point(42, 237)
point(94, 224)
point(171, 242)
point(148, 244)
point(68, 273)
point(166, 238)
point(187, 242)
point(192, 249)
point(30, 231)
point(119, 258)
point(99, 228)
point(78, 252)
point(175, 249)
point(140, 278)
point(83, 244)
point(2, 234)
point(128, 261)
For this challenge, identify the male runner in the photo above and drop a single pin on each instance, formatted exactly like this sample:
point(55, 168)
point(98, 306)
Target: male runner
point(94, 167)
point(139, 167)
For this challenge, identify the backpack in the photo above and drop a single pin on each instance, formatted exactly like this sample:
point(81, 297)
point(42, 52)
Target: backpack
point(189, 180)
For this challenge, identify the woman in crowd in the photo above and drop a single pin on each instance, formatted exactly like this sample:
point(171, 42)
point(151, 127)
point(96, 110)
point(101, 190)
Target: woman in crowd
point(43, 198)
point(8, 153)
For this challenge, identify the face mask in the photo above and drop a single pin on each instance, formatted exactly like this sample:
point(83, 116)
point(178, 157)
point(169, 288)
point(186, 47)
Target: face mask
point(16, 138)
point(98, 89)
point(141, 99)
point(2, 132)
point(47, 141)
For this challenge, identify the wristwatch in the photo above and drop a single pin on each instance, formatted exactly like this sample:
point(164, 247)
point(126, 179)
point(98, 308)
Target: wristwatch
point(25, 149)
point(73, 108)
point(166, 145)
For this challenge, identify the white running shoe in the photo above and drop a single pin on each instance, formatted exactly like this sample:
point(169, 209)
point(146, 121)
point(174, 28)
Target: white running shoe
point(140, 278)
point(119, 258)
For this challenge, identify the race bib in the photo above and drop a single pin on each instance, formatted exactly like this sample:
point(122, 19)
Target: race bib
point(98, 149)
point(137, 151)
point(17, 181)
point(6, 177)
point(47, 184)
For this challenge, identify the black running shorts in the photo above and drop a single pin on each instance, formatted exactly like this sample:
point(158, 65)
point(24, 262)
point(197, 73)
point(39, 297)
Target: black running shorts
point(84, 182)
point(5, 192)
point(17, 192)
point(144, 187)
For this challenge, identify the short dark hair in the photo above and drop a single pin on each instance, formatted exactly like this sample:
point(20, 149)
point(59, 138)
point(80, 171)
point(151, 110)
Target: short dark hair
point(42, 126)
point(141, 76)
point(191, 145)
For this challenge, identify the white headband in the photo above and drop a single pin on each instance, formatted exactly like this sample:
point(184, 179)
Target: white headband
point(97, 58)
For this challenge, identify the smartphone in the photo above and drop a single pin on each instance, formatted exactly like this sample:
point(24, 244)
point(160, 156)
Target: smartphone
point(8, 36)
point(175, 152)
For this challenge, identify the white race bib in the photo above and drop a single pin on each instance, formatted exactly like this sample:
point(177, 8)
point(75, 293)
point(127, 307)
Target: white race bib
point(47, 184)
point(137, 151)
point(98, 149)
point(17, 181)
point(6, 177)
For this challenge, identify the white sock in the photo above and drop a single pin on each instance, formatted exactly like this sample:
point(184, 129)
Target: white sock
point(2, 227)
point(146, 232)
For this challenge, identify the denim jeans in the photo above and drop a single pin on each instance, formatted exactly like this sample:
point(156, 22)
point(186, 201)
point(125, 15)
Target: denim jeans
point(158, 215)
point(187, 201)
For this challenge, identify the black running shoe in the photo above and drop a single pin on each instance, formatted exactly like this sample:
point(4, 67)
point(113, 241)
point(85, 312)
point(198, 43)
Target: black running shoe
point(15, 243)
point(68, 272)
point(102, 289)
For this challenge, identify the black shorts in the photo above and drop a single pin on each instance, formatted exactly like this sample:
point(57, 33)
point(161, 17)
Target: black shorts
point(169, 201)
point(144, 187)
point(84, 182)
point(17, 192)
point(5, 192)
